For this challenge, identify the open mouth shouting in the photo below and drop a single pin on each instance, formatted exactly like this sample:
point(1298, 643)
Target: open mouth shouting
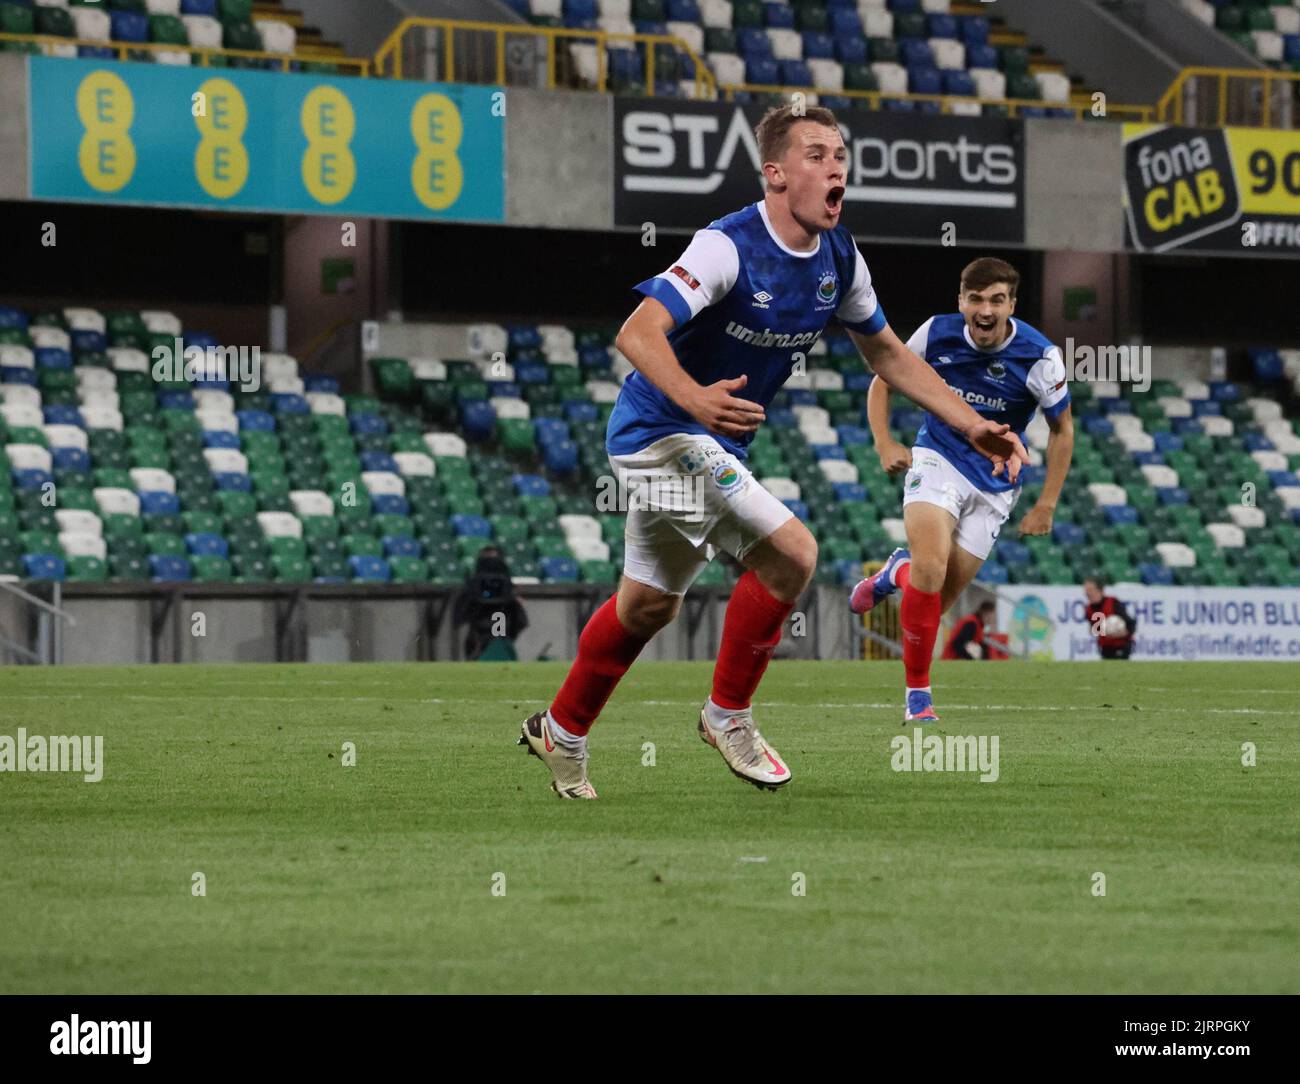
point(835, 200)
point(986, 326)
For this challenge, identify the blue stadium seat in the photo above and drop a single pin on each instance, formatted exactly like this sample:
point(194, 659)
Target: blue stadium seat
point(369, 569)
point(853, 492)
point(1206, 407)
point(1097, 426)
point(367, 424)
point(62, 415)
point(799, 508)
point(87, 341)
point(1069, 534)
point(559, 569)
point(532, 372)
point(129, 26)
point(782, 418)
point(1186, 426)
point(1280, 478)
point(848, 572)
point(1256, 442)
point(1155, 575)
point(550, 430)
point(44, 566)
point(531, 485)
point(560, 456)
point(858, 382)
point(942, 25)
point(167, 568)
point(981, 56)
point(851, 435)
point(924, 80)
point(70, 459)
point(579, 410)
point(761, 71)
point(31, 479)
point(378, 461)
point(467, 526)
point(595, 357)
point(802, 397)
point(846, 23)
point(851, 50)
point(159, 503)
point(795, 73)
point(398, 545)
point(12, 318)
point(778, 16)
point(206, 544)
point(683, 11)
point(1224, 391)
point(199, 7)
point(231, 482)
point(1148, 459)
point(322, 383)
point(753, 44)
point(993, 573)
point(975, 30)
point(1167, 442)
point(52, 357)
point(819, 46)
point(1118, 515)
point(958, 83)
point(389, 504)
point(1267, 365)
point(255, 421)
point(283, 403)
point(15, 374)
point(220, 438)
point(1010, 552)
point(504, 389)
point(176, 400)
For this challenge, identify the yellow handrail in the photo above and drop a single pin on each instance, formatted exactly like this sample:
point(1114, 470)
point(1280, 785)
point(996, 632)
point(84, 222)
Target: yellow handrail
point(945, 101)
point(1170, 107)
point(388, 58)
point(203, 53)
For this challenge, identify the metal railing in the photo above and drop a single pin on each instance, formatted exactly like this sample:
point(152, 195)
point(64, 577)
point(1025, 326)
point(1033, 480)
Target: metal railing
point(201, 56)
point(1243, 97)
point(45, 621)
point(949, 103)
point(505, 54)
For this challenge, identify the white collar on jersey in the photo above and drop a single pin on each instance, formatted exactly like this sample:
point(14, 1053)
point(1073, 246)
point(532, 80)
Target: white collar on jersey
point(965, 330)
point(762, 210)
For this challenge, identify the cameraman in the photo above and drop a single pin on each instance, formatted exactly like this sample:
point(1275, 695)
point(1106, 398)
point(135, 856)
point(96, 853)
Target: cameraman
point(487, 605)
point(1105, 616)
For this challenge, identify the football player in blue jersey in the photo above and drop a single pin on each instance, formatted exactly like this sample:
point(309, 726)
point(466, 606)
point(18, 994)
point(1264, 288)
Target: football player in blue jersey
point(712, 341)
point(954, 505)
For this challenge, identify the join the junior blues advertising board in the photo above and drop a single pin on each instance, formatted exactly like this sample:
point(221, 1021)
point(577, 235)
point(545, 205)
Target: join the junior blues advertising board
point(112, 132)
point(1200, 624)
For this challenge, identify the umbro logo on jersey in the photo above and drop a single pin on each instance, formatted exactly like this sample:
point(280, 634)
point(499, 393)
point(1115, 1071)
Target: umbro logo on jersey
point(944, 360)
point(762, 297)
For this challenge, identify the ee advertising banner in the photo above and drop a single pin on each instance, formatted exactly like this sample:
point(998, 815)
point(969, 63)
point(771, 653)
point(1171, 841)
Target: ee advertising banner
point(118, 132)
point(1212, 190)
point(1195, 624)
point(681, 164)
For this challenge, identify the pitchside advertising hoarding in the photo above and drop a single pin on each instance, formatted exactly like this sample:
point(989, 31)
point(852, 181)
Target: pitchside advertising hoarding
point(1195, 624)
point(1212, 190)
point(130, 133)
point(680, 165)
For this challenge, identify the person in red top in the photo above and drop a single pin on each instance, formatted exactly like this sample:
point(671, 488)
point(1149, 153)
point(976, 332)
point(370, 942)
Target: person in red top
point(1102, 607)
point(967, 639)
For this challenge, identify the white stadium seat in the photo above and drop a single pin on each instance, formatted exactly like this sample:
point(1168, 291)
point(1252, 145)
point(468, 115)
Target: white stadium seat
point(217, 421)
point(163, 7)
point(510, 407)
point(1160, 476)
point(446, 444)
point(152, 480)
point(286, 385)
point(949, 55)
point(278, 367)
point(579, 526)
point(1175, 406)
point(383, 483)
point(205, 31)
point(67, 436)
point(588, 549)
point(1195, 389)
point(828, 75)
point(279, 524)
point(1107, 493)
point(127, 359)
point(212, 401)
point(102, 417)
point(814, 417)
point(716, 14)
point(29, 457)
point(324, 402)
point(21, 395)
point(92, 25)
point(1136, 440)
point(822, 434)
point(826, 380)
point(1214, 425)
point(691, 33)
point(1269, 460)
point(428, 369)
point(1289, 496)
point(891, 77)
point(78, 521)
point(602, 391)
point(877, 22)
point(277, 37)
point(226, 461)
point(45, 338)
point(1265, 410)
point(1053, 86)
point(1176, 554)
point(161, 322)
point(83, 544)
point(838, 470)
point(86, 319)
point(1246, 517)
point(989, 83)
point(14, 356)
point(617, 9)
point(311, 502)
point(414, 464)
point(1105, 389)
point(1227, 536)
point(113, 500)
point(24, 415)
point(896, 530)
point(1037, 432)
point(786, 44)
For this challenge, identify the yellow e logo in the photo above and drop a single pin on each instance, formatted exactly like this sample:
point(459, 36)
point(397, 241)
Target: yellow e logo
point(436, 174)
point(221, 159)
point(106, 109)
point(329, 169)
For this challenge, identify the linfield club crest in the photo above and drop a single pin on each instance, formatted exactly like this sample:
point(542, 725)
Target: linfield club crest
point(827, 289)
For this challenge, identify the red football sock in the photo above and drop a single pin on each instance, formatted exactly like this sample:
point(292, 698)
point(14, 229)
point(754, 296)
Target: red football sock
point(903, 576)
point(920, 614)
point(605, 650)
point(750, 633)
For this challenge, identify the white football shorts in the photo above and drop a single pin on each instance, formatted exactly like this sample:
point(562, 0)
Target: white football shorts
point(687, 500)
point(979, 513)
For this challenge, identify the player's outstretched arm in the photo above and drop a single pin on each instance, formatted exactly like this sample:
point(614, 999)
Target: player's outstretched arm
point(1060, 450)
point(643, 340)
point(889, 356)
point(895, 458)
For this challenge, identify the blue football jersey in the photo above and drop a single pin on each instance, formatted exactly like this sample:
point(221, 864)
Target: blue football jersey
point(1006, 384)
point(743, 304)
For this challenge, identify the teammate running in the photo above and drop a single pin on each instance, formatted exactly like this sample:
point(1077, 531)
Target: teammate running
point(713, 340)
point(953, 504)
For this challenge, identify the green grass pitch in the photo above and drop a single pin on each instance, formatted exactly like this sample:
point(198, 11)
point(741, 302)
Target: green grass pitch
point(379, 877)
